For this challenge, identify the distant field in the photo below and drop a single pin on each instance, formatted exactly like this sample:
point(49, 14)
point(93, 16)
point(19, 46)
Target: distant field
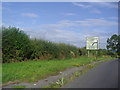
point(31, 71)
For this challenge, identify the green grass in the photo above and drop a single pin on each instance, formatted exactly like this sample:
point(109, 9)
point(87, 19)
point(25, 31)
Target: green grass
point(18, 86)
point(31, 71)
point(74, 75)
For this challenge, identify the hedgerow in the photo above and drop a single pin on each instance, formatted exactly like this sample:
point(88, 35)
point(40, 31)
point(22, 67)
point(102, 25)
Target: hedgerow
point(17, 46)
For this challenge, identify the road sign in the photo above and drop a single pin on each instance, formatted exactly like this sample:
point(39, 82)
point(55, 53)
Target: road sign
point(92, 43)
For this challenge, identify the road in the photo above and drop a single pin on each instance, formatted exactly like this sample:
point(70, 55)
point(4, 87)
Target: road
point(105, 75)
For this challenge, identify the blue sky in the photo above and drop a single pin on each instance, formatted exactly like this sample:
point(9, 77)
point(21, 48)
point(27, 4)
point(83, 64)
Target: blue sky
point(68, 22)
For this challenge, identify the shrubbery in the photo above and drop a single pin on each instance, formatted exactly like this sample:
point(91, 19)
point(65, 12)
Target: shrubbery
point(48, 50)
point(17, 46)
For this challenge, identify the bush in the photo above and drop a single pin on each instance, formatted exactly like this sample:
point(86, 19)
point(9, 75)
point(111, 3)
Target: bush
point(82, 51)
point(16, 47)
point(48, 50)
point(15, 44)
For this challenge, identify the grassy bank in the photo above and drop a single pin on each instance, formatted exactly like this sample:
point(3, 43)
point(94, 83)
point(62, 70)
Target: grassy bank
point(31, 71)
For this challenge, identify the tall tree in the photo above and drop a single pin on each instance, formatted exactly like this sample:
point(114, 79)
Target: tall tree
point(118, 45)
point(113, 44)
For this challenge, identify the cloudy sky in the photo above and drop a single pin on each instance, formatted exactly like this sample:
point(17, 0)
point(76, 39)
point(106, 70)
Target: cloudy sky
point(67, 22)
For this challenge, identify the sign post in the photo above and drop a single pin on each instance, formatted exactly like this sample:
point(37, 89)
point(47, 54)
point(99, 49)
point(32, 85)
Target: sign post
point(88, 53)
point(92, 44)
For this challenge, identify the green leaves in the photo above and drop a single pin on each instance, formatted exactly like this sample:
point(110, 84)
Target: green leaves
point(113, 43)
point(48, 50)
point(15, 44)
point(18, 47)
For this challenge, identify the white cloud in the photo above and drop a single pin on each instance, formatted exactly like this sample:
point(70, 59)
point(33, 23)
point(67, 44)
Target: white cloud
point(71, 37)
point(93, 4)
point(96, 11)
point(68, 14)
point(108, 4)
point(81, 5)
point(113, 18)
point(32, 15)
point(58, 25)
point(59, 36)
point(80, 23)
point(97, 22)
point(59, 33)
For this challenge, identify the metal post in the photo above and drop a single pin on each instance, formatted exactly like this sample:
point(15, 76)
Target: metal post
point(88, 53)
point(96, 54)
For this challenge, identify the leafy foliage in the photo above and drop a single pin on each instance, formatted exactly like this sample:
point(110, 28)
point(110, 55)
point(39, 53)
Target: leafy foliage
point(48, 50)
point(15, 45)
point(18, 47)
point(113, 44)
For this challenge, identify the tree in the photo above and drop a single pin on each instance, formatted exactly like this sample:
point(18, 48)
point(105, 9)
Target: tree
point(118, 46)
point(15, 45)
point(113, 44)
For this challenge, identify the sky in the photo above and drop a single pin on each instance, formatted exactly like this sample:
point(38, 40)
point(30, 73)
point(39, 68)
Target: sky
point(63, 22)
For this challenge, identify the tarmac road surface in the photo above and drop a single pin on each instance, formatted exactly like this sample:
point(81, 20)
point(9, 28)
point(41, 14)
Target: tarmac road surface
point(105, 75)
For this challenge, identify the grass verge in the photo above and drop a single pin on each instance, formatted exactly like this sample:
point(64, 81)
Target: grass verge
point(31, 71)
point(64, 80)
